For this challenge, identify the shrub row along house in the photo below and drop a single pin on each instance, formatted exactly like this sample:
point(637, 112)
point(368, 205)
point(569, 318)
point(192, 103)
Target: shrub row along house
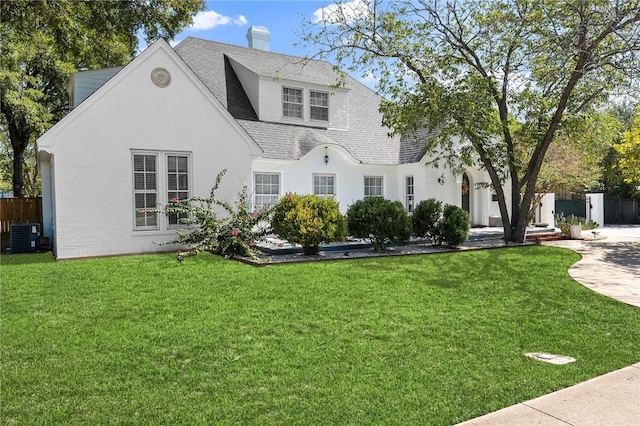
point(164, 126)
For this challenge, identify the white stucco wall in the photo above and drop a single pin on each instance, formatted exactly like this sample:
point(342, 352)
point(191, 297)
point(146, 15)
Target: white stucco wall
point(297, 176)
point(92, 175)
point(250, 83)
point(270, 108)
point(595, 208)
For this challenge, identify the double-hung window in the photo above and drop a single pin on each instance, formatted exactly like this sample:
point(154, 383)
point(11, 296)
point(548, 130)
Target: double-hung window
point(158, 178)
point(266, 190)
point(291, 102)
point(319, 105)
point(177, 182)
point(324, 185)
point(373, 186)
point(145, 190)
point(408, 191)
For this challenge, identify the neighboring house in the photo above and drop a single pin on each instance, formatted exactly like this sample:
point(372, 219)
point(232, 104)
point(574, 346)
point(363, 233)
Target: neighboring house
point(167, 123)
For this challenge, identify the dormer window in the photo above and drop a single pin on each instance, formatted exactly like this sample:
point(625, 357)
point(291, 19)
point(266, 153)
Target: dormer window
point(319, 105)
point(291, 102)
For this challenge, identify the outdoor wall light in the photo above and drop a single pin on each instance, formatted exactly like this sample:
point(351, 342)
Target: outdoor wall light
point(441, 179)
point(326, 155)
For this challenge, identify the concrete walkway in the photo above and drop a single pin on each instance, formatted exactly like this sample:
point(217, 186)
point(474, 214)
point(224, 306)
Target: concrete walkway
point(610, 265)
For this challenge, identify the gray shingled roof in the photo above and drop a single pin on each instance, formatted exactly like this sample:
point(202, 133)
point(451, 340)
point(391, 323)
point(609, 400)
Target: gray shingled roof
point(366, 140)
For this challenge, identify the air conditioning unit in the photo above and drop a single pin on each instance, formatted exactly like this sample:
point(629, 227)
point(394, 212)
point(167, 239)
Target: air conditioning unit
point(24, 237)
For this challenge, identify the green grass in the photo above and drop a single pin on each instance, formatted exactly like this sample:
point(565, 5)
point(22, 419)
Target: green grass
point(430, 339)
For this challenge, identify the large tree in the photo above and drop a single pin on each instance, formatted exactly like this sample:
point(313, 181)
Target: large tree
point(629, 151)
point(497, 79)
point(43, 42)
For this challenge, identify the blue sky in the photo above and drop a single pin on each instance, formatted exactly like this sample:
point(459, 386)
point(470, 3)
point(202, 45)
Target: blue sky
point(227, 21)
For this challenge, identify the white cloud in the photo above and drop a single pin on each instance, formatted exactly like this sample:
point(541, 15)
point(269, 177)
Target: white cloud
point(368, 80)
point(211, 19)
point(351, 10)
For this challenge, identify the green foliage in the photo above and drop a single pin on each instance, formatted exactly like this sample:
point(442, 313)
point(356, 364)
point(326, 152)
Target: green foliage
point(231, 235)
point(425, 219)
point(564, 223)
point(574, 159)
point(308, 220)
point(449, 226)
point(380, 220)
point(453, 228)
point(488, 83)
point(43, 42)
point(629, 152)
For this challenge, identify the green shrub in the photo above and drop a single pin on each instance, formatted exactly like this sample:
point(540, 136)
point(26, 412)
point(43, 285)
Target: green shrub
point(564, 223)
point(425, 219)
point(308, 220)
point(379, 220)
point(235, 234)
point(453, 228)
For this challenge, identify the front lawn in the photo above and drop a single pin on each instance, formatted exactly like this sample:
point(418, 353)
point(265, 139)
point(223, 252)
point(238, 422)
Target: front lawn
point(429, 339)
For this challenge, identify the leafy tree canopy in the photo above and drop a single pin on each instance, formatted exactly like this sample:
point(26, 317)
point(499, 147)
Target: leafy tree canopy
point(629, 151)
point(43, 42)
point(499, 80)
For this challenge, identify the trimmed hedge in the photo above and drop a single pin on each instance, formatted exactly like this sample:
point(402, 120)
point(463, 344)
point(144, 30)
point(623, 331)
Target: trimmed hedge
point(308, 220)
point(380, 220)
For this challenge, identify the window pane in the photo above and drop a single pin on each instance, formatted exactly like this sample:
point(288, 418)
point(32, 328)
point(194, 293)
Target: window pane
point(291, 102)
point(138, 181)
point(319, 113)
point(319, 98)
point(150, 180)
point(138, 163)
point(182, 164)
point(266, 193)
point(139, 201)
point(172, 182)
point(150, 163)
point(183, 182)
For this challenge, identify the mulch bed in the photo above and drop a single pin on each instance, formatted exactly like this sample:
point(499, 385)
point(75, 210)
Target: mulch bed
point(273, 257)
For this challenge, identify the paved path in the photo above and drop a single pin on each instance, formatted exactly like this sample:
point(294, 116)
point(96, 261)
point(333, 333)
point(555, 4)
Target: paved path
point(611, 266)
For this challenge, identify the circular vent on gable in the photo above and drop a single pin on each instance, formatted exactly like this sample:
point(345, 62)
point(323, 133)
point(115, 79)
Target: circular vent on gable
point(161, 77)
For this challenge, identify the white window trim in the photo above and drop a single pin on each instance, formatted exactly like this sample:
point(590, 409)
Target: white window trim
point(134, 191)
point(410, 206)
point(364, 188)
point(327, 107)
point(166, 181)
point(254, 204)
point(162, 188)
point(284, 117)
point(335, 184)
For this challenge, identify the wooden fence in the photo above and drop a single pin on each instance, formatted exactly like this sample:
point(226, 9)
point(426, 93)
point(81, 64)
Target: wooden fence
point(18, 210)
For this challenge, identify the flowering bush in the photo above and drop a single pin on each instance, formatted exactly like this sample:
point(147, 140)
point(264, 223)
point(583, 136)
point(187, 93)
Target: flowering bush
point(308, 220)
point(234, 234)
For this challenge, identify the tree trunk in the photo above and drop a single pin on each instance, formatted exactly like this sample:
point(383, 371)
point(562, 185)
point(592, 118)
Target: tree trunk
point(18, 178)
point(19, 136)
